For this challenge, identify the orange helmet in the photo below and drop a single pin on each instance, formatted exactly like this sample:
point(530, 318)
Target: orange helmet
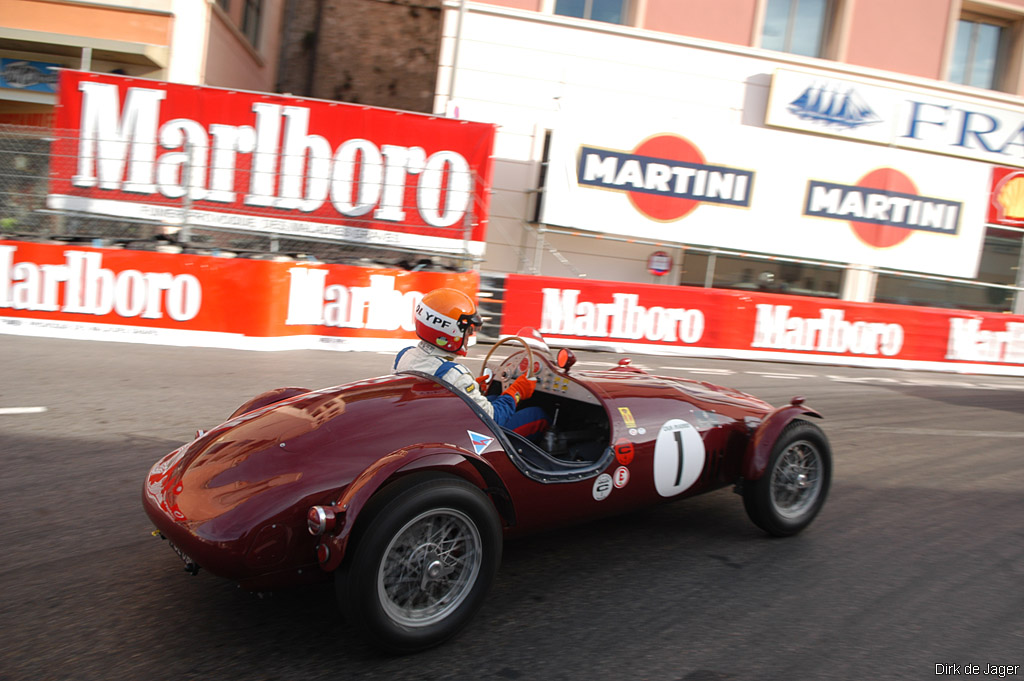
point(445, 317)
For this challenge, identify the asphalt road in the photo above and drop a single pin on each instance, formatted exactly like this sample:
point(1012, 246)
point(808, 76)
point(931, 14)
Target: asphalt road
point(917, 559)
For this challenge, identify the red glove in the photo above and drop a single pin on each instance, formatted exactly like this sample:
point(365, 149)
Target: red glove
point(521, 388)
point(484, 380)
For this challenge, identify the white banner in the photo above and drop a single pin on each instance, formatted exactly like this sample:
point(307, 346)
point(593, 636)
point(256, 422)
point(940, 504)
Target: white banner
point(702, 181)
point(913, 119)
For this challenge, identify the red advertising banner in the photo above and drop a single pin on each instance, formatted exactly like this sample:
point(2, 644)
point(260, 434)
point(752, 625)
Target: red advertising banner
point(716, 322)
point(141, 296)
point(269, 163)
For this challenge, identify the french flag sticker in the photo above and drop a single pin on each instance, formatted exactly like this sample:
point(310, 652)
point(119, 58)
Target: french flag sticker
point(479, 441)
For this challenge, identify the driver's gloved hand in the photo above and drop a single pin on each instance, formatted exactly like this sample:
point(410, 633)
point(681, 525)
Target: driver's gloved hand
point(521, 388)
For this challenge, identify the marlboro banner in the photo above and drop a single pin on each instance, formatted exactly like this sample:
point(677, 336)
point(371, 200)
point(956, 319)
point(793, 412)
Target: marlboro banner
point(171, 299)
point(677, 320)
point(137, 296)
point(268, 163)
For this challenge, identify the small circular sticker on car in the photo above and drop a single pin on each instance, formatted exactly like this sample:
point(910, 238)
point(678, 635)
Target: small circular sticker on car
point(602, 487)
point(621, 477)
point(678, 457)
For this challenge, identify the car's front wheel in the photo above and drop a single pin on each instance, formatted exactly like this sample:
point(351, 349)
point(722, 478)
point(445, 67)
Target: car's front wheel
point(793, 488)
point(423, 565)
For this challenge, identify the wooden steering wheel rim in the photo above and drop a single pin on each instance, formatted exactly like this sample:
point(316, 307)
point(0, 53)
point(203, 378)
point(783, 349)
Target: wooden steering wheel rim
point(506, 339)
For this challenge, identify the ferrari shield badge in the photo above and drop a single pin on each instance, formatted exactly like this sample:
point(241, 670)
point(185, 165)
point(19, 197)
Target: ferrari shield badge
point(479, 441)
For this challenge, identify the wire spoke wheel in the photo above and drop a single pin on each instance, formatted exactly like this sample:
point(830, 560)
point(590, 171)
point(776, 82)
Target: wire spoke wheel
point(429, 567)
point(795, 484)
point(796, 479)
point(423, 561)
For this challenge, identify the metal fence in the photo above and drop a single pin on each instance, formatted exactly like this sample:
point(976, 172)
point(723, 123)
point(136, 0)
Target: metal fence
point(30, 156)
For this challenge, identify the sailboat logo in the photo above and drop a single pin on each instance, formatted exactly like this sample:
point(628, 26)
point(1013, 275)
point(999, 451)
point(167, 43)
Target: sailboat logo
point(833, 107)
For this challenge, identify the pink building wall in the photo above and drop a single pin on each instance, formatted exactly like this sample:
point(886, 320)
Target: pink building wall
point(534, 5)
point(226, 59)
point(907, 36)
point(232, 62)
point(911, 37)
point(727, 21)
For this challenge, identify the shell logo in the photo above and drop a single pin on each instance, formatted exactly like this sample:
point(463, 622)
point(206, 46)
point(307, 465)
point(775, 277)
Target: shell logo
point(1008, 198)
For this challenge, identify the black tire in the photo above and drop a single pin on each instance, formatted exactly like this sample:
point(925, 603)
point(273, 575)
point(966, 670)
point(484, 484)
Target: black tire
point(793, 488)
point(403, 589)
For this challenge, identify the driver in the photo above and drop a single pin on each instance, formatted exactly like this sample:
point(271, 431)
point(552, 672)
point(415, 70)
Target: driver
point(445, 319)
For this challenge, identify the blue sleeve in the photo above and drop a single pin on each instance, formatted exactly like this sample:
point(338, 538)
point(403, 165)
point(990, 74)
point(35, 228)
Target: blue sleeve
point(504, 407)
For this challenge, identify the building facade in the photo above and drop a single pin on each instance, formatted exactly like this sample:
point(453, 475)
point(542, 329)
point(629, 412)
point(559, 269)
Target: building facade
point(228, 43)
point(618, 83)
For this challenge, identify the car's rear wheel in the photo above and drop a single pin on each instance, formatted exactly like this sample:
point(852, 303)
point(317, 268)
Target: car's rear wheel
point(793, 488)
point(423, 565)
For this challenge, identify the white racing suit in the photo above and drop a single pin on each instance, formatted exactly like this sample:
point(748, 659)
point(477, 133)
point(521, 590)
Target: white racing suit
point(428, 359)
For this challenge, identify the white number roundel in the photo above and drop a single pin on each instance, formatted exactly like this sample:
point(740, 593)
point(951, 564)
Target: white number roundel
point(678, 457)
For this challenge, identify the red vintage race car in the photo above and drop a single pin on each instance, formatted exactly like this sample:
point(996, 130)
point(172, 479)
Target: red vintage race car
point(403, 490)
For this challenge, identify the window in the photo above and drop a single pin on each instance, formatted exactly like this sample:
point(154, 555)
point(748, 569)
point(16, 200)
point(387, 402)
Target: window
point(796, 26)
point(1000, 259)
point(252, 13)
point(750, 272)
point(611, 11)
point(978, 53)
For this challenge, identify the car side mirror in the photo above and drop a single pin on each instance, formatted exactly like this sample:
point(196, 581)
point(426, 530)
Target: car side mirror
point(565, 358)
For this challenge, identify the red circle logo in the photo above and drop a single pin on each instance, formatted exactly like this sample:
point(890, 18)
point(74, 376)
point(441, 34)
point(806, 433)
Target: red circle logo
point(667, 148)
point(884, 236)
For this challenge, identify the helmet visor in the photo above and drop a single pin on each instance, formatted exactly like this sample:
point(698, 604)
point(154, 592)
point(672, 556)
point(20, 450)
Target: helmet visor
point(470, 320)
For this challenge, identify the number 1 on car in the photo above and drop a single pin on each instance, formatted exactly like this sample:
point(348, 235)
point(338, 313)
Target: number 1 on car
point(678, 457)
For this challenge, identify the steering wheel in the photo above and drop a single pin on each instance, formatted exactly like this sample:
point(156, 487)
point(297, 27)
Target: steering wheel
point(529, 354)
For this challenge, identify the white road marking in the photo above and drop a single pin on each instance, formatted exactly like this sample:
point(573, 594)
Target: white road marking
point(21, 410)
point(946, 433)
point(612, 362)
point(936, 381)
point(778, 374)
point(696, 370)
point(999, 386)
point(864, 379)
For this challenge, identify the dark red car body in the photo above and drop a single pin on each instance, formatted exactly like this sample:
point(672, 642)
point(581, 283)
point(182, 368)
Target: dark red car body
point(235, 500)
